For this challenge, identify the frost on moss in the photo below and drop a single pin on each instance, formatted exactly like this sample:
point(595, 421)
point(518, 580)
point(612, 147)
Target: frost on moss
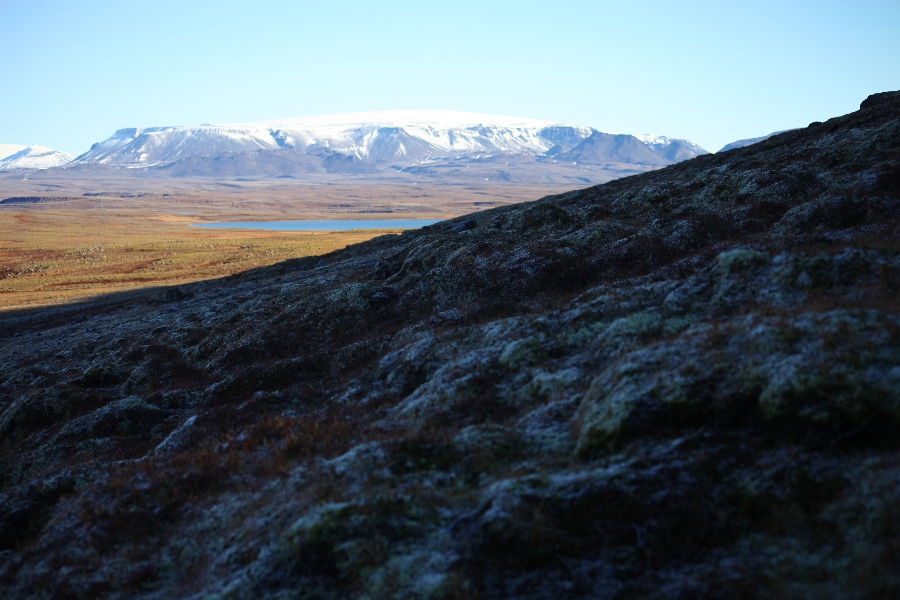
point(323, 526)
point(833, 401)
point(422, 574)
point(128, 415)
point(830, 374)
point(645, 389)
point(640, 328)
point(520, 352)
point(740, 260)
point(351, 539)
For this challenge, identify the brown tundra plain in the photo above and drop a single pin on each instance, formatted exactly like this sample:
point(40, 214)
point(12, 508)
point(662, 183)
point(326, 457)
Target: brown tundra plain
point(66, 238)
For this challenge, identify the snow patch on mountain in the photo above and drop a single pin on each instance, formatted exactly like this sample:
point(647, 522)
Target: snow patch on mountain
point(8, 149)
point(652, 140)
point(35, 157)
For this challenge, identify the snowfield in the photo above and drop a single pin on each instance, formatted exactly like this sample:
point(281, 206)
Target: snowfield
point(35, 157)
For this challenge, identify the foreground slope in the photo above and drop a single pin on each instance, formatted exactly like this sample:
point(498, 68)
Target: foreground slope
point(680, 384)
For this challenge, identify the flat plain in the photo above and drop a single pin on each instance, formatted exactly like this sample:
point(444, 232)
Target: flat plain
point(66, 238)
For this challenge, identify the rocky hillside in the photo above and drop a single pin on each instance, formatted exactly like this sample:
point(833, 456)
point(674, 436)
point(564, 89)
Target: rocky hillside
point(684, 383)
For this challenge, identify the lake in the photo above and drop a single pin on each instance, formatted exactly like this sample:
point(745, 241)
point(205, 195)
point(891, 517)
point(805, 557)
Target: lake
point(336, 225)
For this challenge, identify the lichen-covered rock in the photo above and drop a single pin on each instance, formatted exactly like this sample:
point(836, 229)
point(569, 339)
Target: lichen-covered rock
point(831, 374)
point(177, 440)
point(129, 415)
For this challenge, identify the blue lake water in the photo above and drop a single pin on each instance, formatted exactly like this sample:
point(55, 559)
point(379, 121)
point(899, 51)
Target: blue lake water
point(336, 225)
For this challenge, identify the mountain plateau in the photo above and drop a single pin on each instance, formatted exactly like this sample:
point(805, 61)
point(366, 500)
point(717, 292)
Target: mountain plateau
point(391, 143)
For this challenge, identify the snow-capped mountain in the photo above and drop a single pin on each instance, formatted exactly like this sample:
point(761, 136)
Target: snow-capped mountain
point(400, 138)
point(672, 149)
point(35, 157)
point(602, 148)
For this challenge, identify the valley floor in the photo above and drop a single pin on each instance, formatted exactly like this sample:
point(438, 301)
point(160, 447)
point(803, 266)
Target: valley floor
point(60, 256)
point(68, 247)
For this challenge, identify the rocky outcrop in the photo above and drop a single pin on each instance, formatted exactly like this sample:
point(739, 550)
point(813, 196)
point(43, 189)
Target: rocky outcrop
point(678, 384)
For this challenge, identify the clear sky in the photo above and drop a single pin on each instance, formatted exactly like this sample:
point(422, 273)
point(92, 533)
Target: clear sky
point(73, 72)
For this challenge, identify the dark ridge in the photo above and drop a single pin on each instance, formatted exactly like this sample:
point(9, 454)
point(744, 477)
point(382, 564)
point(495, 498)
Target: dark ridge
point(875, 99)
point(36, 199)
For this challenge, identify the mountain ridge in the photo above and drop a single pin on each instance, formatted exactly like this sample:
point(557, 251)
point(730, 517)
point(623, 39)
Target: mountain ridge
point(8, 149)
point(386, 140)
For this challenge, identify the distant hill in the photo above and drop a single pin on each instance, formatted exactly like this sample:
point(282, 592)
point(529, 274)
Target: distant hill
point(750, 141)
point(603, 148)
point(35, 157)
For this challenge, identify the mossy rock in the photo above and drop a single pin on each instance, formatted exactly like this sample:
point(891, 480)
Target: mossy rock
point(540, 216)
point(421, 574)
point(422, 454)
point(601, 418)
point(319, 537)
point(519, 353)
point(33, 412)
point(835, 403)
point(640, 328)
point(645, 391)
point(549, 385)
point(348, 539)
point(740, 260)
point(127, 416)
point(102, 375)
point(806, 272)
point(630, 331)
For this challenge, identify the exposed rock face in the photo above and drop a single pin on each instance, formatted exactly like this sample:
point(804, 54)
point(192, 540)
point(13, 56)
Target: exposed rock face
point(680, 384)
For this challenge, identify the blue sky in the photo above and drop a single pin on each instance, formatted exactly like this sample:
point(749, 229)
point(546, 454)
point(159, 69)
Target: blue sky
point(73, 72)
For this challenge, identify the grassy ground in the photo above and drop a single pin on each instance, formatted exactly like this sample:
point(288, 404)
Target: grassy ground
point(91, 235)
point(55, 256)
